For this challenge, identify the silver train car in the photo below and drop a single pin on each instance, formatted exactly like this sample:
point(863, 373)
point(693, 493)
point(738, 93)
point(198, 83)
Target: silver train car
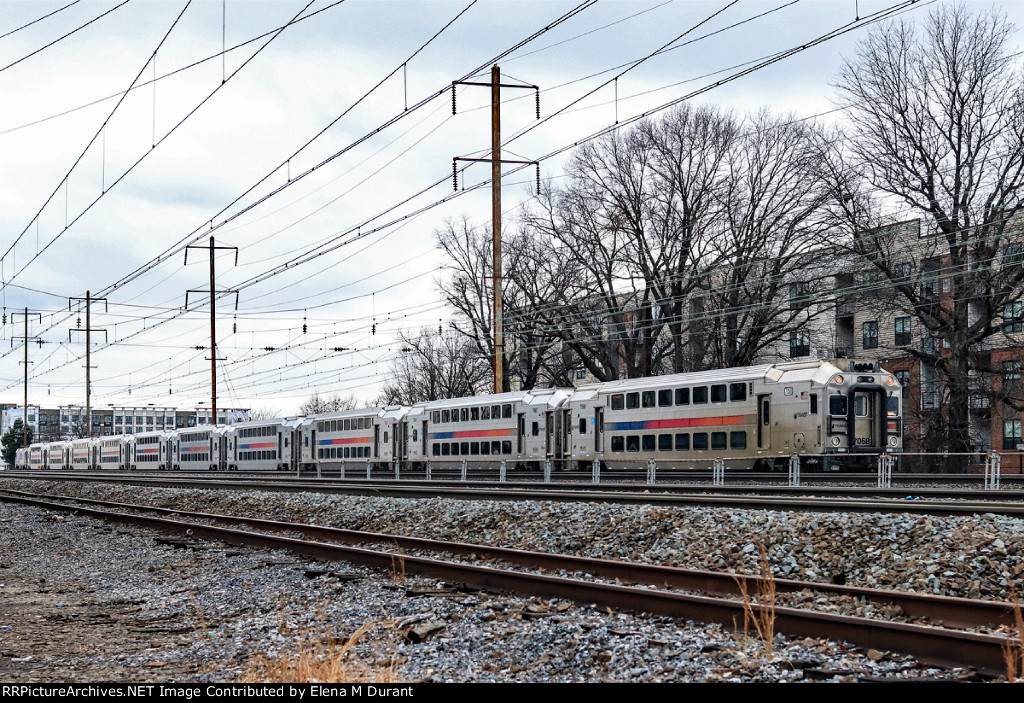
point(833, 415)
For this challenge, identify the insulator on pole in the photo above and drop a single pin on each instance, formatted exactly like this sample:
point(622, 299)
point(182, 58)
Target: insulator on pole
point(537, 95)
point(453, 98)
point(455, 177)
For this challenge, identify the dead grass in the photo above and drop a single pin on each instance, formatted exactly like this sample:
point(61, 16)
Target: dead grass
point(325, 660)
point(1013, 649)
point(759, 608)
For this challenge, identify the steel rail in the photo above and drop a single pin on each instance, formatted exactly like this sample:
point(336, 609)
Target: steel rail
point(931, 645)
point(513, 492)
point(942, 610)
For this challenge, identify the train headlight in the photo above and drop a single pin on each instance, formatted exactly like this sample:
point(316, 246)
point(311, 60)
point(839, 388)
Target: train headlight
point(835, 441)
point(839, 379)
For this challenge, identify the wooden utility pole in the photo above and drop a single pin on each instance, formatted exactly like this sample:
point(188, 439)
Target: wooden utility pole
point(499, 288)
point(213, 320)
point(497, 283)
point(89, 300)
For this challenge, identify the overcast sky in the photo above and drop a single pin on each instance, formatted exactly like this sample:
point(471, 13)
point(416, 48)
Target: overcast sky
point(88, 203)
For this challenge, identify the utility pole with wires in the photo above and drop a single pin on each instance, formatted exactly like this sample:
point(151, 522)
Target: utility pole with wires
point(24, 419)
point(496, 85)
point(88, 300)
point(213, 318)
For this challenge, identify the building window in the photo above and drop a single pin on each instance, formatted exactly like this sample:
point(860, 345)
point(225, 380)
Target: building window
point(870, 334)
point(581, 374)
point(798, 296)
point(1011, 434)
point(929, 386)
point(901, 272)
point(1013, 255)
point(799, 344)
point(904, 378)
point(1013, 317)
point(902, 331)
point(1011, 378)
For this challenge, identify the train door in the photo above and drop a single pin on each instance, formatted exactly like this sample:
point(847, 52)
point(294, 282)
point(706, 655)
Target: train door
point(764, 422)
point(865, 419)
point(520, 432)
point(376, 441)
point(598, 430)
point(550, 446)
point(221, 443)
point(423, 436)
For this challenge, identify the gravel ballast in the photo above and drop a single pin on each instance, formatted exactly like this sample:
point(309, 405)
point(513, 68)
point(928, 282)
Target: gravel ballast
point(89, 601)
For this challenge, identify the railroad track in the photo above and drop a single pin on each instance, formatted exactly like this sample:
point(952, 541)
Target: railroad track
point(527, 573)
point(922, 503)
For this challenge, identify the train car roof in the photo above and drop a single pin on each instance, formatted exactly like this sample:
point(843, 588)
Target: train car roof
point(789, 372)
point(536, 396)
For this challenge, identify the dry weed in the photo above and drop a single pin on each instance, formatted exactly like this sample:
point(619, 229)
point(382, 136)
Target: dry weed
point(759, 609)
point(316, 658)
point(1013, 649)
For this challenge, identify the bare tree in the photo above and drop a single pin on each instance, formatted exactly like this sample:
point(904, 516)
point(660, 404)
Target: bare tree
point(768, 248)
point(316, 404)
point(632, 222)
point(937, 124)
point(432, 366)
point(265, 413)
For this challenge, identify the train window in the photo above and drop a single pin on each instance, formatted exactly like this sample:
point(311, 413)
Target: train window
point(455, 449)
point(633, 443)
point(648, 443)
point(435, 416)
point(700, 395)
point(814, 403)
point(485, 412)
point(435, 449)
point(506, 411)
point(495, 412)
point(474, 413)
point(718, 440)
point(665, 398)
point(718, 393)
point(346, 425)
point(348, 454)
point(700, 440)
point(664, 443)
point(737, 440)
point(319, 428)
point(445, 416)
point(414, 433)
point(682, 396)
point(618, 444)
point(455, 415)
point(496, 447)
point(446, 449)
point(485, 447)
point(465, 448)
point(583, 425)
point(474, 448)
point(385, 438)
point(682, 442)
point(837, 405)
point(464, 415)
point(506, 446)
point(648, 399)
point(737, 391)
point(632, 400)
point(892, 406)
point(861, 406)
point(536, 428)
point(618, 401)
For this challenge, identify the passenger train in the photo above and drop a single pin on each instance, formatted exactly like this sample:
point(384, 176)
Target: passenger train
point(833, 414)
